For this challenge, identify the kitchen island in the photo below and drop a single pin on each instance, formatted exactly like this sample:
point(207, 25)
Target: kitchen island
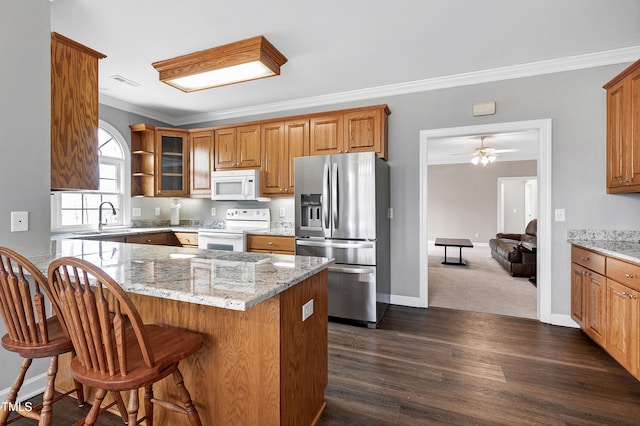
point(263, 319)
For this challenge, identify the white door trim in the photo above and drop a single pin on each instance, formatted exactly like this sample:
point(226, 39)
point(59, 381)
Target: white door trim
point(543, 275)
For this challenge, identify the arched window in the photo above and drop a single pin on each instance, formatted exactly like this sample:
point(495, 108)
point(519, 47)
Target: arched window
point(75, 210)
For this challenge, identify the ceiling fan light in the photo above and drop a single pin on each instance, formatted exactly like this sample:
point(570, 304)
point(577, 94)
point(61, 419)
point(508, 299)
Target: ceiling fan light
point(484, 160)
point(475, 160)
point(492, 158)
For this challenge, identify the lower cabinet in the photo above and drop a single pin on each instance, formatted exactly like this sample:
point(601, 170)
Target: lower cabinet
point(275, 244)
point(156, 238)
point(604, 302)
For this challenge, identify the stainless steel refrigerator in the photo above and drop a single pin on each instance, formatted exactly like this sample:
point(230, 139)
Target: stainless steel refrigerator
point(341, 212)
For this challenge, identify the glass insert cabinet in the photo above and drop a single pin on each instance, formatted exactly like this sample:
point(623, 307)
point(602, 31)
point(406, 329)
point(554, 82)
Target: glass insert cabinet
point(172, 163)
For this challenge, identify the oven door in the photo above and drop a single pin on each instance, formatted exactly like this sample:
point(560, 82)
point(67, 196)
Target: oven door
point(221, 241)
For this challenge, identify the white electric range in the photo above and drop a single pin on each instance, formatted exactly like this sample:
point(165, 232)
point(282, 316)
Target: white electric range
point(233, 236)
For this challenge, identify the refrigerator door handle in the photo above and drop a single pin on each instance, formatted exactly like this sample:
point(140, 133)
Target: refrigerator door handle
point(351, 270)
point(325, 195)
point(334, 244)
point(335, 217)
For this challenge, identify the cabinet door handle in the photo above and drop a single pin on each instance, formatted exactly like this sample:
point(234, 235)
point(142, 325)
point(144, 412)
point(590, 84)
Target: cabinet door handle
point(624, 293)
point(628, 275)
point(631, 296)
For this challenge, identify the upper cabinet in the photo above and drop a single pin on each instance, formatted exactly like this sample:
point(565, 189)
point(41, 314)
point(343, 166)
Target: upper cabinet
point(282, 142)
point(74, 115)
point(623, 131)
point(178, 163)
point(201, 161)
point(172, 163)
point(357, 130)
point(237, 147)
point(159, 161)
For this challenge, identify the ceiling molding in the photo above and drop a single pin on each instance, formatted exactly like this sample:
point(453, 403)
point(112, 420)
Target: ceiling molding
point(550, 66)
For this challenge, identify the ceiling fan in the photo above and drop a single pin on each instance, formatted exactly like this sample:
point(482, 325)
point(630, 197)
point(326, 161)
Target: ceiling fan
point(485, 154)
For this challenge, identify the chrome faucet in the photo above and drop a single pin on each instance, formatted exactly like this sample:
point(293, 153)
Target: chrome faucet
point(113, 210)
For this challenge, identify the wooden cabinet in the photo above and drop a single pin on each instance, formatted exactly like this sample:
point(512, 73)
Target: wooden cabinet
point(143, 160)
point(588, 296)
point(172, 163)
point(155, 238)
point(237, 147)
point(201, 161)
point(358, 130)
point(277, 244)
point(622, 324)
point(74, 115)
point(159, 161)
point(281, 143)
point(604, 302)
point(187, 239)
point(623, 131)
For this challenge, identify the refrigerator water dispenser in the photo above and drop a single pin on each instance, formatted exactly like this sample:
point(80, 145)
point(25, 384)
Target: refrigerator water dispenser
point(311, 209)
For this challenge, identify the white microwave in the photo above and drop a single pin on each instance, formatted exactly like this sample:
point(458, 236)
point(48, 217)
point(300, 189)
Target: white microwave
point(236, 185)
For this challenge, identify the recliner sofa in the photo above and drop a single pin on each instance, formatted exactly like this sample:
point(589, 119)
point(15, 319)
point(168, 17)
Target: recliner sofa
point(508, 251)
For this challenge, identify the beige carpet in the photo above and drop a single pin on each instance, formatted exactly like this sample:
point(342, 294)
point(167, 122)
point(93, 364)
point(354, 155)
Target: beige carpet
point(481, 286)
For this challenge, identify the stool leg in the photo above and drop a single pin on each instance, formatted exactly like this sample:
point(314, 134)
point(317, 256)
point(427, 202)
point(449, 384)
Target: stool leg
point(192, 413)
point(133, 407)
point(49, 393)
point(148, 404)
point(13, 392)
point(95, 409)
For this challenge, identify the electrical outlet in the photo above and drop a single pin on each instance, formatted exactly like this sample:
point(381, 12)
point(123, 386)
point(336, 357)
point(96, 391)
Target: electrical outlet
point(477, 235)
point(157, 211)
point(282, 212)
point(307, 310)
point(19, 221)
point(213, 211)
point(136, 212)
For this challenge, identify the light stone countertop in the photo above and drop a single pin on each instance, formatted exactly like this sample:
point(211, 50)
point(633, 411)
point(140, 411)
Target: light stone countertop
point(230, 280)
point(625, 250)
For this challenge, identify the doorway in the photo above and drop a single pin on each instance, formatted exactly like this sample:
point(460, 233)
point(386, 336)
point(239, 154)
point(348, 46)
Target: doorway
point(543, 129)
point(517, 203)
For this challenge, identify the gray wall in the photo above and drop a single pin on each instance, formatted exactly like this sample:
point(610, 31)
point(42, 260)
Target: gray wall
point(575, 101)
point(25, 81)
point(463, 198)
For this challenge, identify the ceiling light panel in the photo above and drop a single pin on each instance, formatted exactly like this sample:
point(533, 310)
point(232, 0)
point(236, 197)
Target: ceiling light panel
point(244, 60)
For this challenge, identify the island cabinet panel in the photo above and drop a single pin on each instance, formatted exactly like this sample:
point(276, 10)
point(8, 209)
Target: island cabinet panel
point(263, 366)
point(623, 131)
point(74, 115)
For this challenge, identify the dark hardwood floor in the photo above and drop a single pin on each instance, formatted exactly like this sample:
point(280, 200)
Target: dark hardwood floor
point(441, 366)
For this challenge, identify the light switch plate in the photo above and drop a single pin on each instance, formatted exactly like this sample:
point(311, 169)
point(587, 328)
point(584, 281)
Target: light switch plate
point(157, 211)
point(559, 215)
point(136, 212)
point(19, 221)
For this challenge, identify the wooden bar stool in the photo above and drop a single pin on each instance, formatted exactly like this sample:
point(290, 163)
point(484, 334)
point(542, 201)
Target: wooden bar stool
point(115, 350)
point(30, 333)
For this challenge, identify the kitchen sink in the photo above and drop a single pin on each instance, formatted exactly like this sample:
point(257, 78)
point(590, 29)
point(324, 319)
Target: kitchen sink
point(104, 232)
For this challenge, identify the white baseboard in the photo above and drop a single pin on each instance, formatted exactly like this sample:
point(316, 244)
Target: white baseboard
point(30, 388)
point(563, 320)
point(412, 302)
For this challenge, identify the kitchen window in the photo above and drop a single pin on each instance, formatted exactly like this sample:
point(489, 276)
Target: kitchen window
point(78, 210)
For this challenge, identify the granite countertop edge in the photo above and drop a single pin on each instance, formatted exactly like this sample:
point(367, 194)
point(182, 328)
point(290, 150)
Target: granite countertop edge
point(625, 250)
point(229, 280)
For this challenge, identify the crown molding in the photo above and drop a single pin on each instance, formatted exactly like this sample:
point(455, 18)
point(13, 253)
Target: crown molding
point(135, 109)
point(550, 66)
